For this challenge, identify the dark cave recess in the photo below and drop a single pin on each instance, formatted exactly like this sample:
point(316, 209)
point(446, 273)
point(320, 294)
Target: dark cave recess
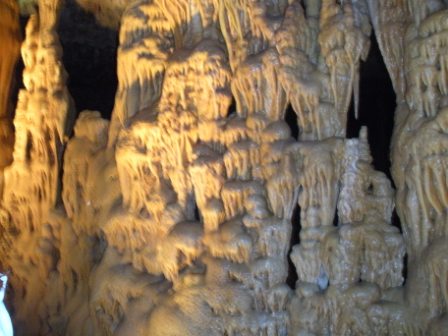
point(90, 58)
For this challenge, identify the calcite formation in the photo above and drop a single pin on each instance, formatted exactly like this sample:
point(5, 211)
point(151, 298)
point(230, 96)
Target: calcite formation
point(175, 217)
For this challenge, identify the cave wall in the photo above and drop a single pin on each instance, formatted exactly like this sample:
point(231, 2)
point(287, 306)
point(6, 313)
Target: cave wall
point(175, 217)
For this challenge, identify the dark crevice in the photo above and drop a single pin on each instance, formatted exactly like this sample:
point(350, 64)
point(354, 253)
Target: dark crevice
point(377, 104)
point(197, 214)
point(17, 80)
point(90, 59)
point(376, 111)
point(232, 108)
point(291, 120)
point(396, 221)
point(405, 269)
point(336, 217)
point(295, 239)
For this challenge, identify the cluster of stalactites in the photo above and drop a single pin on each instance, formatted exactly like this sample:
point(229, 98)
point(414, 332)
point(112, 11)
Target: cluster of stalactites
point(32, 181)
point(319, 63)
point(150, 32)
point(153, 159)
point(222, 266)
point(248, 27)
point(390, 19)
point(39, 122)
point(244, 171)
point(191, 148)
point(319, 57)
point(258, 195)
point(412, 38)
point(421, 129)
point(345, 268)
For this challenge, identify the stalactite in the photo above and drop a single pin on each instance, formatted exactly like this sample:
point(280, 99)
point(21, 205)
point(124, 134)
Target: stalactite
point(32, 184)
point(418, 146)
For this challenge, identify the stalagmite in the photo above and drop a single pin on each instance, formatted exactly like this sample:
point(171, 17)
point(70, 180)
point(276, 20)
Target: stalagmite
point(32, 181)
point(176, 216)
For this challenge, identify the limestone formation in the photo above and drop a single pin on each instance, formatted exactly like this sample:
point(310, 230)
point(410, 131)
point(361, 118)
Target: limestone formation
point(418, 159)
point(176, 217)
point(32, 182)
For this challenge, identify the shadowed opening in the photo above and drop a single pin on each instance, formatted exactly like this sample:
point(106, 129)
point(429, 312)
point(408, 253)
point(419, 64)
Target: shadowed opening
point(90, 58)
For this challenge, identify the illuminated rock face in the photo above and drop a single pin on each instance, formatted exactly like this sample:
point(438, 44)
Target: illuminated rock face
point(32, 182)
point(174, 218)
